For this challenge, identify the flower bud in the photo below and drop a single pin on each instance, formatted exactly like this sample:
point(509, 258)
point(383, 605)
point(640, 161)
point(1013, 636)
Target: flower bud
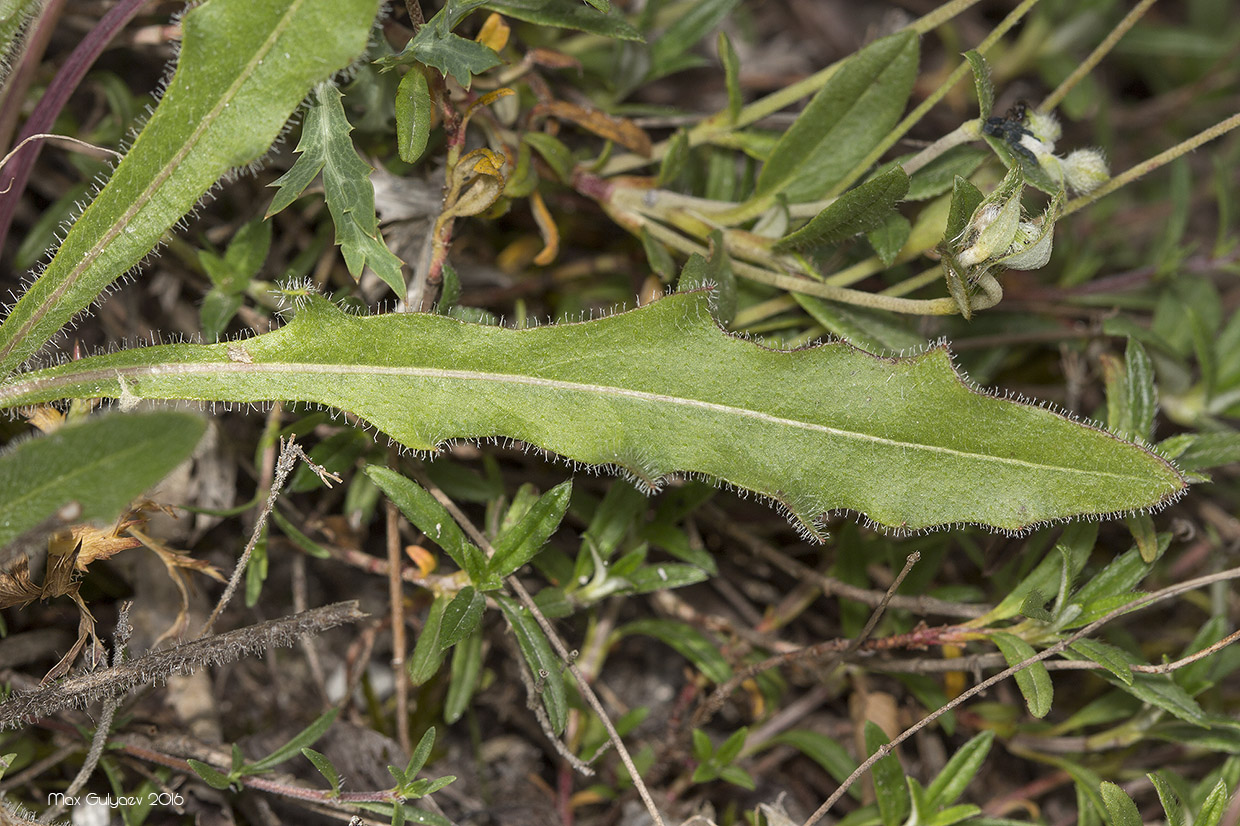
point(1085, 170)
point(1044, 126)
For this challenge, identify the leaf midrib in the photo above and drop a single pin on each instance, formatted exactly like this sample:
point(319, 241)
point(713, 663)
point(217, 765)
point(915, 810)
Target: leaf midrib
point(224, 368)
point(157, 181)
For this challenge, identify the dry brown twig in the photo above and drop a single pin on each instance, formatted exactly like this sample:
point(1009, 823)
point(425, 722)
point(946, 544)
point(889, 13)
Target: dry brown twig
point(290, 452)
point(920, 605)
point(721, 694)
point(157, 666)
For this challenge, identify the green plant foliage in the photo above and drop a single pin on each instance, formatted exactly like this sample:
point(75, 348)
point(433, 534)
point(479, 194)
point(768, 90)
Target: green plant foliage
point(1034, 680)
point(325, 147)
point(244, 66)
point(840, 125)
point(861, 209)
point(904, 442)
point(101, 463)
point(542, 661)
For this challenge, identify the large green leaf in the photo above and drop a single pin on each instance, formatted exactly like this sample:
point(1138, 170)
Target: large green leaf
point(245, 65)
point(662, 390)
point(102, 464)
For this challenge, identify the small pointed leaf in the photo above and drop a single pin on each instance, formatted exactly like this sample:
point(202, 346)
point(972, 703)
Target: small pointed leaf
point(1034, 681)
point(863, 208)
point(325, 145)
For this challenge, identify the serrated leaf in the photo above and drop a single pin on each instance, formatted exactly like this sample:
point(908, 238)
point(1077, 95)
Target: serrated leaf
point(568, 14)
point(325, 146)
point(244, 66)
point(461, 617)
point(1119, 805)
point(542, 661)
point(434, 45)
point(904, 441)
point(102, 463)
point(688, 641)
point(1035, 681)
point(842, 123)
point(863, 208)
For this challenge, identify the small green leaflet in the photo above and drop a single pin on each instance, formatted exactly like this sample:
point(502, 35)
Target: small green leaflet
point(325, 146)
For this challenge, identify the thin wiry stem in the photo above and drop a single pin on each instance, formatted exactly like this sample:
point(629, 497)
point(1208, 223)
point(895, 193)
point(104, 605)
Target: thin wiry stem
point(1062, 645)
point(290, 452)
point(1095, 57)
point(1145, 167)
point(721, 694)
point(561, 649)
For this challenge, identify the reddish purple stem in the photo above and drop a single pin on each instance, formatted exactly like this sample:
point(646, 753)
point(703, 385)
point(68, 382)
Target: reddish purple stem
point(54, 99)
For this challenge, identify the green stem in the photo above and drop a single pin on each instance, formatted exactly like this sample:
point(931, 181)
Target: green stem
point(992, 293)
point(1095, 57)
point(1144, 168)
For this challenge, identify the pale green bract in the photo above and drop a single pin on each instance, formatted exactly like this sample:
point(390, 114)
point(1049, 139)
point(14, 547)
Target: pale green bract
point(662, 390)
point(245, 66)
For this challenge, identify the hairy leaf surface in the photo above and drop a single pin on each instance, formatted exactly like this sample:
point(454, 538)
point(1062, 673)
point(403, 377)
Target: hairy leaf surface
point(102, 464)
point(662, 390)
point(245, 65)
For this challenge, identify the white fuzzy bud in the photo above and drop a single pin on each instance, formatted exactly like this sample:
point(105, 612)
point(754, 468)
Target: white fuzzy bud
point(1085, 170)
point(1044, 126)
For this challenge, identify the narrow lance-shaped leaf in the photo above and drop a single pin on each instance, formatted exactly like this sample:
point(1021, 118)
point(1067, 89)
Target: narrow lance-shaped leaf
point(851, 113)
point(1034, 680)
point(859, 210)
point(662, 390)
point(325, 145)
point(245, 65)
